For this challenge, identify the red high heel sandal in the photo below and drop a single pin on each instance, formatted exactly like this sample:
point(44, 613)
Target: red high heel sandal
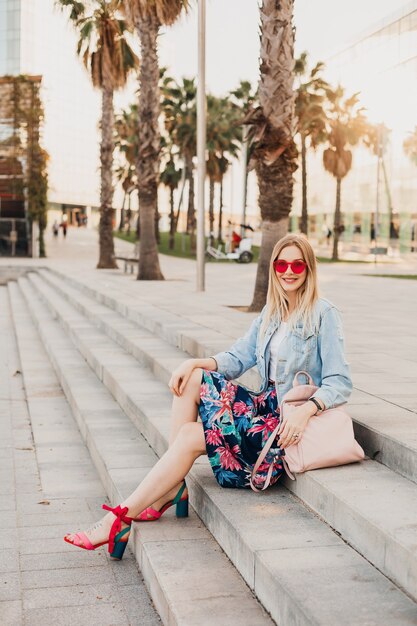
point(118, 538)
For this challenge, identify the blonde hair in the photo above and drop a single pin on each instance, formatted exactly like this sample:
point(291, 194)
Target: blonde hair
point(307, 294)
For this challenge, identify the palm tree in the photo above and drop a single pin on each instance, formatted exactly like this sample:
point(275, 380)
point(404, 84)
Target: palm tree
point(109, 59)
point(223, 137)
point(126, 143)
point(148, 16)
point(377, 140)
point(223, 167)
point(245, 99)
point(272, 129)
point(170, 177)
point(311, 118)
point(180, 115)
point(347, 126)
point(410, 146)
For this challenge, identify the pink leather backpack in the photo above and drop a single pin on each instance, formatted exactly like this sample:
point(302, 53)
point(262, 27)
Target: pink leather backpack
point(327, 441)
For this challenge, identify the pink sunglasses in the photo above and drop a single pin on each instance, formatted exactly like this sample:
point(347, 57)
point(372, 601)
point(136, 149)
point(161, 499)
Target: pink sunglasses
point(297, 267)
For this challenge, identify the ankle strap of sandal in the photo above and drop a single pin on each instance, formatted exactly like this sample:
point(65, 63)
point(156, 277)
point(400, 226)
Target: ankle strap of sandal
point(117, 524)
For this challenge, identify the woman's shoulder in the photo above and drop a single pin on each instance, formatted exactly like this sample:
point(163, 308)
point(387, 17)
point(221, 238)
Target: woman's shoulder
point(323, 305)
point(322, 308)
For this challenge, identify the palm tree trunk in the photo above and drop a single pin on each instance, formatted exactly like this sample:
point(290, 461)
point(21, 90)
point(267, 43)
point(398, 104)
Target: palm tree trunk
point(157, 233)
point(211, 212)
point(275, 153)
point(304, 213)
point(122, 214)
point(191, 221)
point(149, 142)
point(184, 181)
point(387, 190)
point(337, 220)
point(275, 200)
point(219, 232)
point(171, 220)
point(129, 212)
point(271, 233)
point(106, 244)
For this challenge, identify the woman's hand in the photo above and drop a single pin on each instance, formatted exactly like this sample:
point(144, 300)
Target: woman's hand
point(181, 375)
point(295, 423)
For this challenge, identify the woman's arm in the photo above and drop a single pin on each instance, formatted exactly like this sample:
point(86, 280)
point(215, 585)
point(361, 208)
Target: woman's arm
point(242, 355)
point(181, 374)
point(336, 385)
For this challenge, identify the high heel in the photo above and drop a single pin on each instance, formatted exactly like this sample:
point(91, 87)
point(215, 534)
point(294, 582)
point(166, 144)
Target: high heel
point(118, 537)
point(181, 509)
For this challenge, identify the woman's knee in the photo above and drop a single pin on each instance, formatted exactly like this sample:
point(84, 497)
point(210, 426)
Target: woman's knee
point(194, 383)
point(191, 437)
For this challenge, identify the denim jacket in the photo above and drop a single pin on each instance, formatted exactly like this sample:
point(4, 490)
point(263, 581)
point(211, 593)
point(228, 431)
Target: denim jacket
point(319, 351)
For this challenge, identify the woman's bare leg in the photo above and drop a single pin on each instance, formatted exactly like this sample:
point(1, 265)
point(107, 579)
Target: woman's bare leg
point(184, 410)
point(185, 407)
point(168, 472)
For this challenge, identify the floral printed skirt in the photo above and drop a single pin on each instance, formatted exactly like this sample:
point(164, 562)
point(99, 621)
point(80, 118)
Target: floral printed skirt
point(237, 424)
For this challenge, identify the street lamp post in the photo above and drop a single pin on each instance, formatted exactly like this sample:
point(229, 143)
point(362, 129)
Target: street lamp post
point(201, 142)
point(376, 224)
point(245, 138)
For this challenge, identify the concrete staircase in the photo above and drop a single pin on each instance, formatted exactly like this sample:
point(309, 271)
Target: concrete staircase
point(338, 546)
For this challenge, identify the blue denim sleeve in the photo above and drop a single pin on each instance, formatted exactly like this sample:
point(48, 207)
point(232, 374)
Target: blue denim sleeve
point(336, 385)
point(241, 356)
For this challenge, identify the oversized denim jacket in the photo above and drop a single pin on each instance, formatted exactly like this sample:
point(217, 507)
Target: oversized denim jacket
point(320, 352)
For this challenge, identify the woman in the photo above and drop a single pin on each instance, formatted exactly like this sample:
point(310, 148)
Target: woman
point(296, 330)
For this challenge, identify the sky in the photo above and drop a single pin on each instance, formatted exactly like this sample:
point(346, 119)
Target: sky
point(323, 27)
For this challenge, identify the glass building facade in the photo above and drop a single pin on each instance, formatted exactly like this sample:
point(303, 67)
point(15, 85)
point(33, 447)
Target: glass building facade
point(36, 39)
point(382, 66)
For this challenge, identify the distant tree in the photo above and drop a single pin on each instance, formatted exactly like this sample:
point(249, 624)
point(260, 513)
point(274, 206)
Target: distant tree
point(170, 177)
point(180, 115)
point(377, 140)
point(224, 136)
point(311, 118)
point(245, 99)
point(126, 144)
point(347, 125)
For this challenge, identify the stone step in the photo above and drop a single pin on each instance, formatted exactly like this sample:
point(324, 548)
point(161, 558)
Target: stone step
point(352, 499)
point(187, 589)
point(386, 431)
point(241, 524)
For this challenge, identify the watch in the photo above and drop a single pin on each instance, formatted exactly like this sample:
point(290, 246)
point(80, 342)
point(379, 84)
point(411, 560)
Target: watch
point(319, 409)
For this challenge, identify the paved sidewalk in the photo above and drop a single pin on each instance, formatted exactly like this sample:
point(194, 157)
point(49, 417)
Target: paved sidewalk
point(46, 475)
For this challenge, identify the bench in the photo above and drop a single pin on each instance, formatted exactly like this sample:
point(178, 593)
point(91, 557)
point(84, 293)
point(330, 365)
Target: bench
point(130, 261)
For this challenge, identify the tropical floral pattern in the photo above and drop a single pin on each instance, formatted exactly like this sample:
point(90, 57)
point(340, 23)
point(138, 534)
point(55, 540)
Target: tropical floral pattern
point(237, 424)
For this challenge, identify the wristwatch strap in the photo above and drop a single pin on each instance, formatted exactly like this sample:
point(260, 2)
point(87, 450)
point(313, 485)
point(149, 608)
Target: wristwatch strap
point(319, 409)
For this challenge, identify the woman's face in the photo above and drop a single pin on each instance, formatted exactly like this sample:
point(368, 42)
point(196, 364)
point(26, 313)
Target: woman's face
point(291, 280)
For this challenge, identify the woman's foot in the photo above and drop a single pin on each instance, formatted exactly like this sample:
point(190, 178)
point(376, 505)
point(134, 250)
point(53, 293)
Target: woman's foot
point(177, 495)
point(98, 533)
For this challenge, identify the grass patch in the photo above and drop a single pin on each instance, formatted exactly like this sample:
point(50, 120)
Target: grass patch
point(325, 259)
point(120, 235)
point(182, 246)
point(403, 276)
